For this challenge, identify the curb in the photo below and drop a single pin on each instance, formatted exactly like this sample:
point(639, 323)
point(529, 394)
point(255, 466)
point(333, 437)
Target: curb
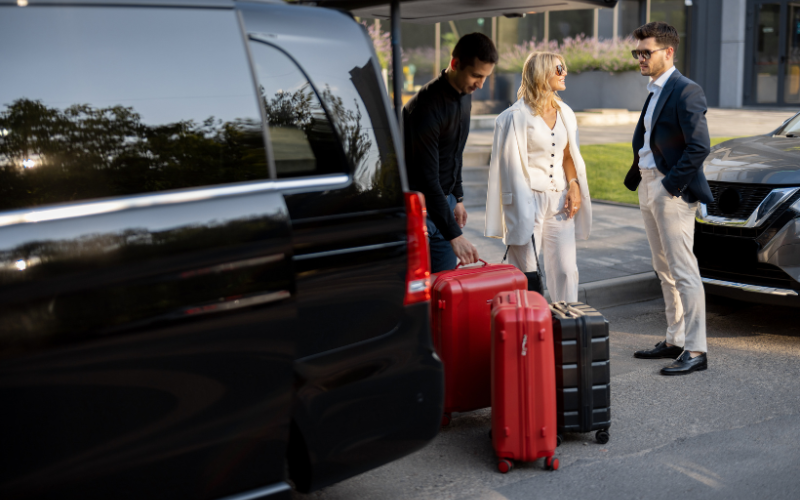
point(618, 291)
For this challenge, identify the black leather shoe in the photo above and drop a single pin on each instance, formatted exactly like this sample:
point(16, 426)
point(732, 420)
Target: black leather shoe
point(686, 364)
point(660, 351)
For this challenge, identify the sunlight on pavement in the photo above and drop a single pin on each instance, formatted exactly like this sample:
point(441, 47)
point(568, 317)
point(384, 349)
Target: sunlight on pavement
point(713, 483)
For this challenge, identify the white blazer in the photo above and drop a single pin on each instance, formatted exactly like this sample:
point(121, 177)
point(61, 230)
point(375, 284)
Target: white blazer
point(509, 201)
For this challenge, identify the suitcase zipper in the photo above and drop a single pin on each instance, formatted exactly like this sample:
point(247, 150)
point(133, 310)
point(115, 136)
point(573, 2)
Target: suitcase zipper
point(522, 311)
point(587, 382)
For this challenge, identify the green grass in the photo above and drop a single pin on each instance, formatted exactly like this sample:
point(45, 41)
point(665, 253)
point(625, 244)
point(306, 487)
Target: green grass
point(606, 166)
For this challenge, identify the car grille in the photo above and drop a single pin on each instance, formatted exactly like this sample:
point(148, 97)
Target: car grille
point(749, 197)
point(741, 232)
point(764, 231)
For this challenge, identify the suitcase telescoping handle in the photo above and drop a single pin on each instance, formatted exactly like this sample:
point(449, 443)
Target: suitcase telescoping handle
point(479, 260)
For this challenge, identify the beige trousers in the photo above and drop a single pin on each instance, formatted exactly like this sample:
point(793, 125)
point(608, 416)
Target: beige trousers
point(555, 242)
point(669, 223)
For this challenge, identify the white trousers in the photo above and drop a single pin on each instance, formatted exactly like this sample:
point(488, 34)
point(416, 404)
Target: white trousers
point(555, 242)
point(669, 223)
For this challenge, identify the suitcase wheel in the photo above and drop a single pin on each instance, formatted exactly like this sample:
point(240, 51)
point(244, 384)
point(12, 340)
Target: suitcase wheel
point(559, 440)
point(550, 463)
point(602, 436)
point(446, 419)
point(504, 466)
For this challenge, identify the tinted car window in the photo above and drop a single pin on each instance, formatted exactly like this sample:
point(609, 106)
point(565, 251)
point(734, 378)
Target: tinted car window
point(302, 137)
point(107, 102)
point(349, 84)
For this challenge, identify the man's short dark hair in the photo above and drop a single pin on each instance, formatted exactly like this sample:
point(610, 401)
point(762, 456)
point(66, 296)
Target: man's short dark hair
point(472, 46)
point(665, 35)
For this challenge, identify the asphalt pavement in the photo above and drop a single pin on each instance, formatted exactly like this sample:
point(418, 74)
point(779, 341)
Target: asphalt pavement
point(721, 123)
point(730, 432)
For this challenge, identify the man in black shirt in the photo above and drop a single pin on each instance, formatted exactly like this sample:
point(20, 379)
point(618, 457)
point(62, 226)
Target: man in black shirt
point(436, 125)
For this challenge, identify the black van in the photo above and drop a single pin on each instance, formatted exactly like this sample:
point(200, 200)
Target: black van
point(211, 271)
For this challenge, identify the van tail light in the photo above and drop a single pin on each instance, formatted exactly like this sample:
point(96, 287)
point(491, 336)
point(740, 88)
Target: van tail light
point(418, 276)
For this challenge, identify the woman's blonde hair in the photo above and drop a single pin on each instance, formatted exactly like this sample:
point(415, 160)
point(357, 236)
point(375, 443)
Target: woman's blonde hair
point(536, 74)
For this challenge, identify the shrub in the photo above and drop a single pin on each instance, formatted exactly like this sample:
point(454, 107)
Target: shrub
point(581, 54)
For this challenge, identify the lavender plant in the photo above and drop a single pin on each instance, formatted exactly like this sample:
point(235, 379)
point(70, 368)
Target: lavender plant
point(581, 54)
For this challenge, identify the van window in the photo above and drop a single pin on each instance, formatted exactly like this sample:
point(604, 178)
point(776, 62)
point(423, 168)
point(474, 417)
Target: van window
point(302, 138)
point(116, 101)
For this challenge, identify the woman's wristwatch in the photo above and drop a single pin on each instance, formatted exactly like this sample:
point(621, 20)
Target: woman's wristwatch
point(571, 180)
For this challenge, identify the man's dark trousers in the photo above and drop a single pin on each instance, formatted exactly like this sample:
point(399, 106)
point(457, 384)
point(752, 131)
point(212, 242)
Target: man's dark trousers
point(442, 256)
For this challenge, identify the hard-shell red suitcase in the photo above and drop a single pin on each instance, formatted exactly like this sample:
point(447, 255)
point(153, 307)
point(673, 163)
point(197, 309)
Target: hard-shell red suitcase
point(523, 380)
point(461, 316)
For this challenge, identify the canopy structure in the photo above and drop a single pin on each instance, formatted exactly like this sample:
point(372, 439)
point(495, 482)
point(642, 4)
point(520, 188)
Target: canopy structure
point(435, 11)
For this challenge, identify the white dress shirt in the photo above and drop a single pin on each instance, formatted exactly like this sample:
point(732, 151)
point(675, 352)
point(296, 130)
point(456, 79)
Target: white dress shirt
point(546, 146)
point(646, 159)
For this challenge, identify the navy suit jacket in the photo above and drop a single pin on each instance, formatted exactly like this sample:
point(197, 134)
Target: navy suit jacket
point(679, 140)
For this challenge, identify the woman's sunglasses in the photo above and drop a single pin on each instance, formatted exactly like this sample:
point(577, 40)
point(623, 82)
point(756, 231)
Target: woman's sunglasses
point(645, 53)
point(560, 69)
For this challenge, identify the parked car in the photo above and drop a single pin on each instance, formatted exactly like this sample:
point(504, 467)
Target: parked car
point(210, 267)
point(748, 241)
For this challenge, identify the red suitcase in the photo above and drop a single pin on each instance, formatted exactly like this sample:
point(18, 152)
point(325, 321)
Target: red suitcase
point(523, 380)
point(461, 303)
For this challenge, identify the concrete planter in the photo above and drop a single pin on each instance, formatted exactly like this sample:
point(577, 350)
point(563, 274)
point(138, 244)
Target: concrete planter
point(599, 89)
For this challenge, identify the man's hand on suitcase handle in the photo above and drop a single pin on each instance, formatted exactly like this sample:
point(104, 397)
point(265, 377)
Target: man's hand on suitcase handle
point(465, 251)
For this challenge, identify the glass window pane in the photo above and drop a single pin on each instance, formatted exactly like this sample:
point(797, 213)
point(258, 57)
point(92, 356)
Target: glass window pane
point(303, 139)
point(570, 24)
point(98, 102)
point(792, 73)
point(767, 56)
point(630, 17)
point(673, 12)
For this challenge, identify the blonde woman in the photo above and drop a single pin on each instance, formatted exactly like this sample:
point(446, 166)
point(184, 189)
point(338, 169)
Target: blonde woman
point(537, 179)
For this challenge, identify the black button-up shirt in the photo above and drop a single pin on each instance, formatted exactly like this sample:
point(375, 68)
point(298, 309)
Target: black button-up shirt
point(435, 127)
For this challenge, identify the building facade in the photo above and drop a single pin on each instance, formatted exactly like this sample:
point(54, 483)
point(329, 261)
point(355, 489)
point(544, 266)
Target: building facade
point(742, 52)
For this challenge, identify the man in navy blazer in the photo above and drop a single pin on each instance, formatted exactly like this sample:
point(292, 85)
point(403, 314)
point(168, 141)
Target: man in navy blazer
point(669, 146)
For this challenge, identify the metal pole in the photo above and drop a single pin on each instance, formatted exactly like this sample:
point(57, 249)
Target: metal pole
point(397, 64)
point(547, 26)
point(615, 27)
point(437, 47)
point(494, 41)
point(596, 25)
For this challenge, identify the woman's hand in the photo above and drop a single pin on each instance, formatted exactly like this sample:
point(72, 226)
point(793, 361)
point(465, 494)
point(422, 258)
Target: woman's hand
point(573, 202)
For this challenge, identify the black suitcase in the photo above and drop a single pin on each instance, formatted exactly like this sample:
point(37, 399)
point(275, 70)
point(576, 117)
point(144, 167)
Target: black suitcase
point(583, 372)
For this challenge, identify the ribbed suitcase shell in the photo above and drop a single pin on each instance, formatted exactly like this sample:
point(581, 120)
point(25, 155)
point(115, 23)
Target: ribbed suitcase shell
point(523, 377)
point(461, 303)
point(583, 372)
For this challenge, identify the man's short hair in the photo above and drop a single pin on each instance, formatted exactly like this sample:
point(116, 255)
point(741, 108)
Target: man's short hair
point(665, 35)
point(472, 46)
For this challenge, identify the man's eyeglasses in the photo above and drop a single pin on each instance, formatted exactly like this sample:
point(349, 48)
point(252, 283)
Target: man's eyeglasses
point(560, 69)
point(645, 53)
